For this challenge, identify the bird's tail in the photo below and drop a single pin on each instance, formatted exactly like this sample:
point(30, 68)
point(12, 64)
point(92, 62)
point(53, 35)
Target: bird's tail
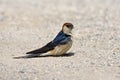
point(37, 51)
point(34, 53)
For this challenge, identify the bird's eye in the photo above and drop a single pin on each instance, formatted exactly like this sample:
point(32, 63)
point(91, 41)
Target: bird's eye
point(67, 26)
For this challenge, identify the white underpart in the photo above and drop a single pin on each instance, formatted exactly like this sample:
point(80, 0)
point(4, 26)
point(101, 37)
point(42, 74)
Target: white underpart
point(62, 49)
point(67, 30)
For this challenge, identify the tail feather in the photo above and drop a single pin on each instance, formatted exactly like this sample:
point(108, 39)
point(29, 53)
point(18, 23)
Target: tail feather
point(37, 51)
point(44, 49)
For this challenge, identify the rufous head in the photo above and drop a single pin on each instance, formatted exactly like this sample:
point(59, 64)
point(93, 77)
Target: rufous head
point(67, 28)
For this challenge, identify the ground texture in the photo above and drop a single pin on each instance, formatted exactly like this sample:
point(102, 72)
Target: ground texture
point(28, 24)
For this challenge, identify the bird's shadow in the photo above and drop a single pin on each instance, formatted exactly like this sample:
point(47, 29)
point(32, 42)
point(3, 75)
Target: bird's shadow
point(29, 56)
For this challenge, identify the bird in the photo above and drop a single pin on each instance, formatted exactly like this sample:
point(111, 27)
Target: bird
point(59, 45)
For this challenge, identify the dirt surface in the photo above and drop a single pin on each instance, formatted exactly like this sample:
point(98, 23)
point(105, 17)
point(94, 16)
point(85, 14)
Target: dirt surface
point(29, 24)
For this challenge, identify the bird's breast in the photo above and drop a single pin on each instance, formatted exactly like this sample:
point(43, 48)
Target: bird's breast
point(61, 49)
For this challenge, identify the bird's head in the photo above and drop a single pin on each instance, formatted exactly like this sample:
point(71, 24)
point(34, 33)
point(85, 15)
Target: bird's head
point(67, 28)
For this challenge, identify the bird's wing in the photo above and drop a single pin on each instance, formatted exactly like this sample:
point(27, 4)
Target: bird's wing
point(44, 49)
point(61, 38)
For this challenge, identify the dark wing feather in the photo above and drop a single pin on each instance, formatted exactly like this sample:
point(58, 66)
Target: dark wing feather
point(61, 38)
point(44, 49)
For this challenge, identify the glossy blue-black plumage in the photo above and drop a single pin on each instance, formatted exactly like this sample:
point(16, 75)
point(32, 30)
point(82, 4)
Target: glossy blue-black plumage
point(60, 39)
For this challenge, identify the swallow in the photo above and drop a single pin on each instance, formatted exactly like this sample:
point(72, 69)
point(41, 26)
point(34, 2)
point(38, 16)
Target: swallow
point(59, 45)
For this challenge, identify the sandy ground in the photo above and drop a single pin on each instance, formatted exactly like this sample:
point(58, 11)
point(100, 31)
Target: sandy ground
point(28, 24)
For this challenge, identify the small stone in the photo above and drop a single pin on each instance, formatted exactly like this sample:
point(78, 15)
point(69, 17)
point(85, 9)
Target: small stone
point(1, 18)
point(92, 63)
point(114, 54)
point(119, 66)
point(55, 79)
point(21, 72)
